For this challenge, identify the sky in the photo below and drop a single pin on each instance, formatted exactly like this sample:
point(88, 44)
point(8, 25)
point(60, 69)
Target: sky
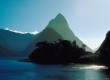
point(88, 19)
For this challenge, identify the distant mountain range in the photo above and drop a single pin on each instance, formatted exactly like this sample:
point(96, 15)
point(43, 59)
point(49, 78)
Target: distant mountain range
point(14, 43)
point(24, 44)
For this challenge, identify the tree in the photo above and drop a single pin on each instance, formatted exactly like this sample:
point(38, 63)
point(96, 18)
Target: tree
point(58, 52)
point(83, 46)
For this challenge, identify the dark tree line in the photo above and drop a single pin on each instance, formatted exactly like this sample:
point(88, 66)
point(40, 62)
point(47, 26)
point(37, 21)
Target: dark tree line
point(58, 52)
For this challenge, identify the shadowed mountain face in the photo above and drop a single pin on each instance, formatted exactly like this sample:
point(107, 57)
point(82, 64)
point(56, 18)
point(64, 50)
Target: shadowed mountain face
point(106, 42)
point(49, 35)
point(3, 41)
point(7, 52)
point(60, 25)
point(103, 52)
point(57, 28)
point(11, 42)
point(3, 51)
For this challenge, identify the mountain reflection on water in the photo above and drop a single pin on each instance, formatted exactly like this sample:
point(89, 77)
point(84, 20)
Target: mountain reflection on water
point(11, 69)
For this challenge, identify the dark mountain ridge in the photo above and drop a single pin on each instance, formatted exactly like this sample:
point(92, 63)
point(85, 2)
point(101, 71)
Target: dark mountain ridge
point(103, 53)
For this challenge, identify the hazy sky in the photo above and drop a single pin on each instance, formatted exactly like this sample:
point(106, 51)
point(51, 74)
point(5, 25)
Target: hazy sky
point(88, 19)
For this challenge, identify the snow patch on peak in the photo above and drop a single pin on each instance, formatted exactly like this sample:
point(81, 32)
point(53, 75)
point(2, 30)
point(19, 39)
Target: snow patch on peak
point(20, 32)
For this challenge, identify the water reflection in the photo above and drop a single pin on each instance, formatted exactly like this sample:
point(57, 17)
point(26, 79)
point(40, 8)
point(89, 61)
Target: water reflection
point(15, 70)
point(78, 72)
point(106, 72)
point(94, 75)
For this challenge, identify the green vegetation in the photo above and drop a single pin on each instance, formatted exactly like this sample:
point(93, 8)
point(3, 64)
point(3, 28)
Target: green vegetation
point(59, 52)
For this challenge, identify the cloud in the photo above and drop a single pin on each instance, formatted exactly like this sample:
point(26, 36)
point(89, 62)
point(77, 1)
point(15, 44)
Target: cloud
point(34, 33)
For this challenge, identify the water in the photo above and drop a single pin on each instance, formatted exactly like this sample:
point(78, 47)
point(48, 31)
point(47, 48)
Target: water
point(11, 69)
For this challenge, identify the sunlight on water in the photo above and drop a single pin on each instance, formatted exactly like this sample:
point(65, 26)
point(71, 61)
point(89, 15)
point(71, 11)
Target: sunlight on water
point(11, 69)
point(95, 67)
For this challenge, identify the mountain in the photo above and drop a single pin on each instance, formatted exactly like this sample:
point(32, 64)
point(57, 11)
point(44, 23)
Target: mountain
point(103, 53)
point(94, 50)
point(3, 51)
point(3, 41)
point(49, 35)
point(106, 42)
point(15, 43)
point(57, 28)
point(60, 25)
point(24, 44)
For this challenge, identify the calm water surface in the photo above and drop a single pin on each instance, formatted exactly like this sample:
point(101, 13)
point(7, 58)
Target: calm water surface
point(11, 69)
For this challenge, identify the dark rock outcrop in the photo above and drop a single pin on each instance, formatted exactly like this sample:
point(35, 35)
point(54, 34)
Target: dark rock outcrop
point(103, 53)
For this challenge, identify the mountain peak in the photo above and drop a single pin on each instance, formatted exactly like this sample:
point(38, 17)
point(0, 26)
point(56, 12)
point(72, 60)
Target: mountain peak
point(60, 18)
point(108, 34)
point(58, 22)
point(59, 15)
point(60, 25)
